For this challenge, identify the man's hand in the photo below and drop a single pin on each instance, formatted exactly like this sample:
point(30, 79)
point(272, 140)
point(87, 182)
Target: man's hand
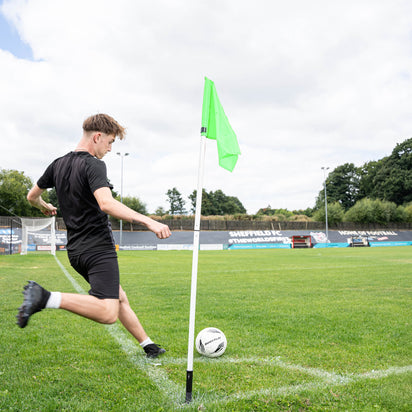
point(48, 209)
point(35, 199)
point(159, 229)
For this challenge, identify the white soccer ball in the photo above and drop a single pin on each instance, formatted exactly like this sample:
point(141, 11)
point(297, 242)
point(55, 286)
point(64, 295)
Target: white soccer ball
point(211, 342)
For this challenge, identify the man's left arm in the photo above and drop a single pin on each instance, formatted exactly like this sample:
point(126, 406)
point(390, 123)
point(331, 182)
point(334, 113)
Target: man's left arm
point(35, 199)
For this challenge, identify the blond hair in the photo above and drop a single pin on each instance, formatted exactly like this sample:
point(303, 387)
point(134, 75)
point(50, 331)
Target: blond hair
point(105, 124)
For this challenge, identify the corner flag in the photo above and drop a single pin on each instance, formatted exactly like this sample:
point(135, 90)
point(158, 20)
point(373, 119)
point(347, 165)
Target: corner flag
point(216, 126)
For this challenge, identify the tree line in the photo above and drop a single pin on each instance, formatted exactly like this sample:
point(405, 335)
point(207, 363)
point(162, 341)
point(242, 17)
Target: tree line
point(214, 203)
point(388, 179)
point(376, 192)
point(14, 186)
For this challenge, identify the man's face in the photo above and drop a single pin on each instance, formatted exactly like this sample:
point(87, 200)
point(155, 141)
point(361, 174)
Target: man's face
point(103, 144)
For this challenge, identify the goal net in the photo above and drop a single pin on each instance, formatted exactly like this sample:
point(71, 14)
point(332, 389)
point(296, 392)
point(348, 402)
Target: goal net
point(46, 239)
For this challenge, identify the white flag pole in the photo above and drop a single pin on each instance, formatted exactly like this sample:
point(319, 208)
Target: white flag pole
point(196, 234)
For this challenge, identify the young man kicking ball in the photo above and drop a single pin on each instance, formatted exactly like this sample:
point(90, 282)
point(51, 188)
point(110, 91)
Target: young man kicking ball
point(85, 200)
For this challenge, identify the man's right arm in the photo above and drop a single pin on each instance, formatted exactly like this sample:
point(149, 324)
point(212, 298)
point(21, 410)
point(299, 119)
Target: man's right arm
point(118, 210)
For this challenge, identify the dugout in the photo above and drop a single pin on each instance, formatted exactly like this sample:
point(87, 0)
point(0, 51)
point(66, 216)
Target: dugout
point(358, 241)
point(301, 241)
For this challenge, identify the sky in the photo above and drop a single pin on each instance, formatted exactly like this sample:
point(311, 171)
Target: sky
point(305, 85)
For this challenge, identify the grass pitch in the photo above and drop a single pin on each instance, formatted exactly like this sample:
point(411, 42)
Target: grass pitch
point(307, 330)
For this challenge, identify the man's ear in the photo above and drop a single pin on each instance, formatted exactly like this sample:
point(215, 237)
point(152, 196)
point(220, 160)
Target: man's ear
point(96, 137)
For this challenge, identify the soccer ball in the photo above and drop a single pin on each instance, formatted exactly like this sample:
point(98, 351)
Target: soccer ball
point(211, 342)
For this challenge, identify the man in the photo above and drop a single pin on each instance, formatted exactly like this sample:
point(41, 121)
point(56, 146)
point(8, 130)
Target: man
point(85, 201)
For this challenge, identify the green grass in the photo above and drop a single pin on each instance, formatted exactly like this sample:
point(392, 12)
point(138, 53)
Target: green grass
point(307, 330)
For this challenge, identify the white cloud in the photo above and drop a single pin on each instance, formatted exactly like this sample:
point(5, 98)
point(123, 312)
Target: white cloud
point(304, 85)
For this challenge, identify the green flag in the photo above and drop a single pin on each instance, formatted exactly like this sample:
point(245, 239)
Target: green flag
point(216, 126)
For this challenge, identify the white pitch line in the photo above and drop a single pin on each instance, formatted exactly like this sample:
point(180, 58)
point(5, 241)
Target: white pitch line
point(327, 378)
point(318, 373)
point(383, 373)
point(292, 389)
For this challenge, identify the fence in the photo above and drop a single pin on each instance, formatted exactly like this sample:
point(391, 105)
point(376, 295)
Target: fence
point(187, 224)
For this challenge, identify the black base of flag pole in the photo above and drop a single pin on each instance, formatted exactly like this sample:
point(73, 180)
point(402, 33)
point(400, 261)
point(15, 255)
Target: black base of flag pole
point(189, 381)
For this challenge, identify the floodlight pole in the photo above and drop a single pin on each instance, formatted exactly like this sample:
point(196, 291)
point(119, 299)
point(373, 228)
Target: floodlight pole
point(122, 155)
point(11, 237)
point(326, 201)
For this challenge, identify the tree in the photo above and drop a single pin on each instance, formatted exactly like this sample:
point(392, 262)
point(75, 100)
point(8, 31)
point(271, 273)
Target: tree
point(134, 203)
point(217, 203)
point(367, 174)
point(14, 186)
point(408, 211)
point(342, 185)
point(389, 178)
point(285, 214)
point(336, 213)
point(207, 207)
point(307, 212)
point(392, 180)
point(376, 211)
point(160, 211)
point(177, 204)
point(268, 211)
point(233, 206)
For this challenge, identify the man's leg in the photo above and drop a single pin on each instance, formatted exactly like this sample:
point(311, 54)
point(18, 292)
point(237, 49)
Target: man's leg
point(129, 319)
point(36, 298)
point(100, 310)
point(131, 322)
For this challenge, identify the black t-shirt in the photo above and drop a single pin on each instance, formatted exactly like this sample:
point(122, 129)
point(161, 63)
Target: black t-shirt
point(76, 176)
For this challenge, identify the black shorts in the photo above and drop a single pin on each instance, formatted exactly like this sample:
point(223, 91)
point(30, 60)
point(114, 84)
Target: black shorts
point(101, 271)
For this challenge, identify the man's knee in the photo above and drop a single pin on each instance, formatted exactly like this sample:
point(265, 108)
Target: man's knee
point(109, 319)
point(110, 312)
